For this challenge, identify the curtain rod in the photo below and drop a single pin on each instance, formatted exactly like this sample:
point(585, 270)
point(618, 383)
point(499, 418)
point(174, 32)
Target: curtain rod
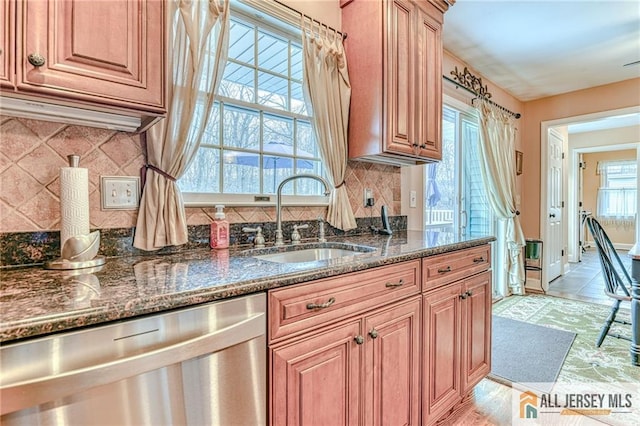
point(344, 35)
point(450, 80)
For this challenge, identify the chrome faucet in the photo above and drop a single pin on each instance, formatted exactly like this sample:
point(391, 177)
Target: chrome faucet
point(327, 191)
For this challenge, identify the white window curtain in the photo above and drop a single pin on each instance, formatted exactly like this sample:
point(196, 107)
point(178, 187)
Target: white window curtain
point(328, 94)
point(497, 159)
point(197, 54)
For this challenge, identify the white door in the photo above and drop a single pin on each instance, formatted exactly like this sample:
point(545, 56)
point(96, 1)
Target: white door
point(554, 245)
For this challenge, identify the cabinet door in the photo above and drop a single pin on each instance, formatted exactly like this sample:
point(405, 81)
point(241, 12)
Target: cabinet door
point(316, 381)
point(392, 365)
point(400, 87)
point(429, 82)
point(476, 330)
point(111, 52)
point(441, 365)
point(7, 17)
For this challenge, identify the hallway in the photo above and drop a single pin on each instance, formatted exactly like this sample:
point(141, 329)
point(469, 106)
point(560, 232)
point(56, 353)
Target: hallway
point(584, 280)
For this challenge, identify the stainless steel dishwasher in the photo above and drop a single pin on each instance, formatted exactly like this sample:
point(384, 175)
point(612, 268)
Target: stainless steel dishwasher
point(204, 365)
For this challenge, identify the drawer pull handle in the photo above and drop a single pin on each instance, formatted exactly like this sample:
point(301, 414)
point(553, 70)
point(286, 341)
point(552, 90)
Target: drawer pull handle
point(444, 270)
point(392, 285)
point(373, 333)
point(478, 259)
point(324, 305)
point(36, 59)
point(359, 339)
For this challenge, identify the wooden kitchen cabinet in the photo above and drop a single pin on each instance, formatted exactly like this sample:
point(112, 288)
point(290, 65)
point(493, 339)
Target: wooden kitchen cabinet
point(394, 55)
point(457, 338)
point(349, 366)
point(104, 53)
point(7, 17)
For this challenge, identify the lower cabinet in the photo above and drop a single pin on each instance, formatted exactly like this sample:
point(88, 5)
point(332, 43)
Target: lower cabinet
point(395, 345)
point(364, 370)
point(457, 343)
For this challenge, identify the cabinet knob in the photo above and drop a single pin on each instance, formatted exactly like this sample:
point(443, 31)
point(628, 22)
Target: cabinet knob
point(423, 146)
point(324, 305)
point(36, 59)
point(469, 293)
point(463, 296)
point(373, 333)
point(359, 339)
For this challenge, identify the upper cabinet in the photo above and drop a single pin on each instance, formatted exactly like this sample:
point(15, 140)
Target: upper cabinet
point(394, 53)
point(91, 53)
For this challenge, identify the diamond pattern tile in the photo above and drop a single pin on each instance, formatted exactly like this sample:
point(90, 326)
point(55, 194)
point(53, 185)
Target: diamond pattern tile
point(32, 152)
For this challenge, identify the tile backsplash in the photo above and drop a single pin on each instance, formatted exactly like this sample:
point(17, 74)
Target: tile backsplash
point(32, 152)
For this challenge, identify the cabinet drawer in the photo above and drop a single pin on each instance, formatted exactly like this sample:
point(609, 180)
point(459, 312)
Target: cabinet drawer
point(303, 307)
point(449, 267)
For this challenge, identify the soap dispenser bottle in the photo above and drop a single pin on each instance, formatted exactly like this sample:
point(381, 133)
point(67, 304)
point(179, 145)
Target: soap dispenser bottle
point(219, 237)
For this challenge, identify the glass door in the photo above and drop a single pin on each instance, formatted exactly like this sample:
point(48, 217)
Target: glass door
point(455, 198)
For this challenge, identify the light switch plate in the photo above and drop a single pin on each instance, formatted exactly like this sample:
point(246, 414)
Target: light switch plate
point(412, 199)
point(120, 192)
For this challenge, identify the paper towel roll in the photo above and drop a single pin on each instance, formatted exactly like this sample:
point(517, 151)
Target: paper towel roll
point(74, 203)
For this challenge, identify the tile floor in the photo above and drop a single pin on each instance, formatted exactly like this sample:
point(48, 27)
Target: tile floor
point(584, 279)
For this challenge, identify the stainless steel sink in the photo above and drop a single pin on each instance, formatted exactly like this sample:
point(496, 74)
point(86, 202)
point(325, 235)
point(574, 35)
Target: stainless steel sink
point(310, 252)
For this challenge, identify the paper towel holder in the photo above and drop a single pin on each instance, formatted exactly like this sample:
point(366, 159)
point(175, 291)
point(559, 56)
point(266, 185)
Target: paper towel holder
point(78, 251)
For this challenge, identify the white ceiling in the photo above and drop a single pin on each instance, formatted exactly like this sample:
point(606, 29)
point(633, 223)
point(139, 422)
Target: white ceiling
point(539, 48)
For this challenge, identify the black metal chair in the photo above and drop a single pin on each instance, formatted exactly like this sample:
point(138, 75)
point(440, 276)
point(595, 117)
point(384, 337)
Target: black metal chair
point(617, 281)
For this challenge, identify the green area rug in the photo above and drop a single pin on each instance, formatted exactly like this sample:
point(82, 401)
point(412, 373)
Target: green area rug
point(584, 363)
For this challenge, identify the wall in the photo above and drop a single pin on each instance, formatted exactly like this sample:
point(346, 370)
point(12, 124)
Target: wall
point(618, 234)
point(597, 99)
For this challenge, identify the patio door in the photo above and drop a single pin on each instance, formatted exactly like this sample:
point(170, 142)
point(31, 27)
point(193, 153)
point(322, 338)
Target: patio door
point(455, 198)
point(455, 195)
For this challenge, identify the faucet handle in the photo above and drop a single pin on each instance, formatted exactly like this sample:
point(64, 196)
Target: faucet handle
point(258, 241)
point(295, 235)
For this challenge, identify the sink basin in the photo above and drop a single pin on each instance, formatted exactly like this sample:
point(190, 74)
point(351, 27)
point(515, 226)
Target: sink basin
point(312, 253)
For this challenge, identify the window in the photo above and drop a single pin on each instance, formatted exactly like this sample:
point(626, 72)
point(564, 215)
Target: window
point(618, 189)
point(260, 131)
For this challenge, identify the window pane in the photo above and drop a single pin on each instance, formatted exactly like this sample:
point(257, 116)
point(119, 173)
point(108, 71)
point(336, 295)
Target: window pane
point(278, 134)
point(241, 172)
point(273, 53)
point(241, 128)
point(309, 186)
point(211, 134)
point(298, 106)
point(306, 141)
point(203, 175)
point(296, 62)
point(273, 91)
point(241, 42)
point(275, 170)
point(238, 83)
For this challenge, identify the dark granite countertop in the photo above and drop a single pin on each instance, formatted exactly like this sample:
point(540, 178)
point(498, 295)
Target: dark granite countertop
point(35, 301)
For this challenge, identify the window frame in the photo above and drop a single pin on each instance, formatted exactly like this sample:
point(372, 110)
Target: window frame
point(606, 176)
point(275, 20)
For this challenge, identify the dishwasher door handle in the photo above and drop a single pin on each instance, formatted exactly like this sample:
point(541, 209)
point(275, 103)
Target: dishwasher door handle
point(28, 393)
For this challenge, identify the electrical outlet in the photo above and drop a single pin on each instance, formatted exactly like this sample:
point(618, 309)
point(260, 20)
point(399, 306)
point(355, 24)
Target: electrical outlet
point(412, 199)
point(368, 197)
point(120, 192)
